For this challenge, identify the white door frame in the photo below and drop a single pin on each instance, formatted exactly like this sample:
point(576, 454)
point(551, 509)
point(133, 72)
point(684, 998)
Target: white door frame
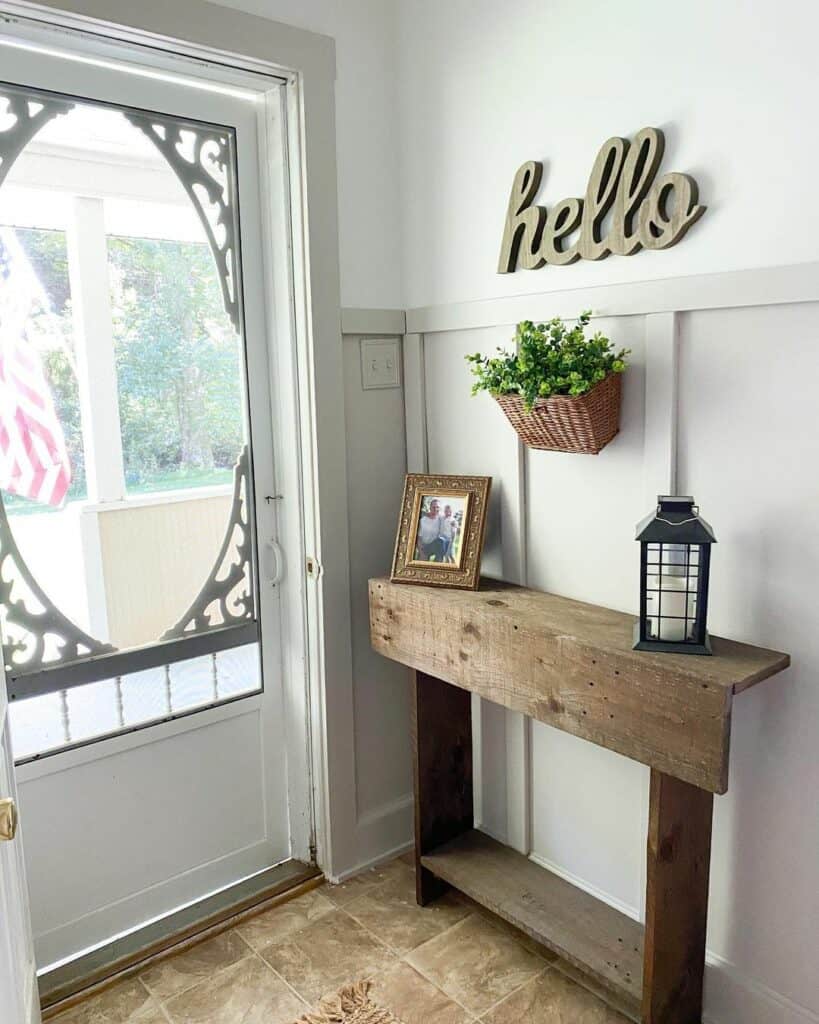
point(318, 670)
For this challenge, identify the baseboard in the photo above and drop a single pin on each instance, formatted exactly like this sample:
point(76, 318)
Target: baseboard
point(373, 862)
point(399, 806)
point(580, 883)
point(382, 832)
point(731, 997)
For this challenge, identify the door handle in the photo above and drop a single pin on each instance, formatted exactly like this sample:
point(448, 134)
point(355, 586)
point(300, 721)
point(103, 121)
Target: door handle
point(276, 573)
point(8, 819)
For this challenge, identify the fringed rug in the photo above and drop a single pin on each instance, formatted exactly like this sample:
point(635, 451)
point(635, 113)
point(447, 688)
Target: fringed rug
point(351, 1005)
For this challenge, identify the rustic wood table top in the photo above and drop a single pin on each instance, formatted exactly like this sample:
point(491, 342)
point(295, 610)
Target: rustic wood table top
point(571, 665)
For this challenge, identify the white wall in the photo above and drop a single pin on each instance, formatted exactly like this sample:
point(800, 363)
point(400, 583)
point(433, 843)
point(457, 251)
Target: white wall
point(367, 137)
point(484, 87)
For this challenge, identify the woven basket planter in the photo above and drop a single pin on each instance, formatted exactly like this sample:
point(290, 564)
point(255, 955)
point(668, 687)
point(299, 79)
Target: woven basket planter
point(568, 423)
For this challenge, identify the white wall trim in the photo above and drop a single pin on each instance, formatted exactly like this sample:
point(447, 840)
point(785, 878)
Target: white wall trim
point(373, 862)
point(731, 996)
point(373, 321)
point(584, 886)
point(381, 834)
point(32, 1004)
point(415, 404)
point(385, 809)
point(765, 286)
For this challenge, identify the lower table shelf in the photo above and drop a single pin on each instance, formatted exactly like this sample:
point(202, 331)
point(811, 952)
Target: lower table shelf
point(604, 944)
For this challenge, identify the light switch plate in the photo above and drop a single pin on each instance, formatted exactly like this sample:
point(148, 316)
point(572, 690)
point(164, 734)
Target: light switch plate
point(380, 363)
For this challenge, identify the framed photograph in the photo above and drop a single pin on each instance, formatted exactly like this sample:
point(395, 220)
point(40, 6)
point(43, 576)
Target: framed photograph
point(441, 530)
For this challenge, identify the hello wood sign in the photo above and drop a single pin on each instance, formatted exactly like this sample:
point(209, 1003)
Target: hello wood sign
point(646, 214)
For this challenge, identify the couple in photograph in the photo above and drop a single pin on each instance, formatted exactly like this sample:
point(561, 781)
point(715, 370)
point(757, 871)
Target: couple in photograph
point(437, 532)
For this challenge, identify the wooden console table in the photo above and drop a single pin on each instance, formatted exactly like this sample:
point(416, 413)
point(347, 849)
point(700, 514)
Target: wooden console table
point(571, 666)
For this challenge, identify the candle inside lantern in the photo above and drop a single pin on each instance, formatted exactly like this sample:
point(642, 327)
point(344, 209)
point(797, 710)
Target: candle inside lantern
point(670, 599)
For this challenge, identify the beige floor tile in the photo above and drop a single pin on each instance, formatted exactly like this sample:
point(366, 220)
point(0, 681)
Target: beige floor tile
point(178, 973)
point(413, 999)
point(127, 1002)
point(516, 933)
point(552, 999)
point(390, 912)
point(359, 884)
point(248, 992)
point(408, 858)
point(475, 963)
point(281, 922)
point(329, 953)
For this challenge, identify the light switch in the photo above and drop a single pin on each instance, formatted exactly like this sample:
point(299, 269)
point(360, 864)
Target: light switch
point(380, 359)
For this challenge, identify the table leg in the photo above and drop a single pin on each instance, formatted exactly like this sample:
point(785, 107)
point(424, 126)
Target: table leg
point(442, 770)
point(679, 857)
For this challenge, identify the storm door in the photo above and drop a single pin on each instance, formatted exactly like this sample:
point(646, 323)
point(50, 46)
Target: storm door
point(141, 638)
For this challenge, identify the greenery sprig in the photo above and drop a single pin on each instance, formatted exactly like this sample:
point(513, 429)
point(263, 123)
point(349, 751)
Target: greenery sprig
point(550, 359)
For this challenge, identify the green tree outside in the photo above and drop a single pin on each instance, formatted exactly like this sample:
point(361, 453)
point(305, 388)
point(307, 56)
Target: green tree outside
point(178, 362)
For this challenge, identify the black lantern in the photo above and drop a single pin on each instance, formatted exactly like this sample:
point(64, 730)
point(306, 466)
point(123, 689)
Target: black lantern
point(675, 555)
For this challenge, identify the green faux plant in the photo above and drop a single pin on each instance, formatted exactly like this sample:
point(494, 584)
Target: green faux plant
point(550, 359)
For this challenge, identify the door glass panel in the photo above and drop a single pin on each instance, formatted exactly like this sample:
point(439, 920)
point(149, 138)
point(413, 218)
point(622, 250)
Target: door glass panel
point(125, 475)
point(181, 428)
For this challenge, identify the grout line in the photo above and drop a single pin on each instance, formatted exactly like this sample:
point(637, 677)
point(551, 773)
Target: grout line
point(284, 981)
point(154, 1000)
point(372, 935)
point(452, 999)
point(294, 940)
point(509, 995)
point(199, 981)
point(402, 957)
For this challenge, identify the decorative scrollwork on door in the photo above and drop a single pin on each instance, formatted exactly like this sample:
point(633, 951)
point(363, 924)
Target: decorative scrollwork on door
point(36, 634)
point(28, 111)
point(226, 599)
point(203, 160)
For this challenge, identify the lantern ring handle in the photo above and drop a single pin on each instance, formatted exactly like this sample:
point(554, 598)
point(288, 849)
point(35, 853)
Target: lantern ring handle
point(682, 522)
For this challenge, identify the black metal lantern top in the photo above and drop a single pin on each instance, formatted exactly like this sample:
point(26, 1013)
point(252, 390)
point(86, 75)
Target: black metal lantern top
point(675, 555)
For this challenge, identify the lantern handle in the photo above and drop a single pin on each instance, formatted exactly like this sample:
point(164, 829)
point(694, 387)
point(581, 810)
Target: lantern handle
point(682, 522)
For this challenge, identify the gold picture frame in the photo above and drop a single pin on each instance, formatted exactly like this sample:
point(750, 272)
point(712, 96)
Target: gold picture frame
point(441, 530)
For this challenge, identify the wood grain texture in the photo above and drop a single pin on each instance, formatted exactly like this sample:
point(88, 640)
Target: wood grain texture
point(442, 772)
point(595, 938)
point(600, 194)
point(679, 857)
point(571, 665)
point(524, 222)
point(621, 181)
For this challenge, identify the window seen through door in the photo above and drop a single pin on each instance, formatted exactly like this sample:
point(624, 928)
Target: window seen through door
point(124, 470)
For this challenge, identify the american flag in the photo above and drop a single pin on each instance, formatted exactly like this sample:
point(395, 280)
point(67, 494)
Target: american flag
point(34, 460)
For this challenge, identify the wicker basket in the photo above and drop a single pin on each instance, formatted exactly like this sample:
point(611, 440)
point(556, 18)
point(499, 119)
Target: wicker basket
point(568, 423)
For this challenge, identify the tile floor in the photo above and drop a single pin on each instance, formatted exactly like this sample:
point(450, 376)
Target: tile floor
point(450, 963)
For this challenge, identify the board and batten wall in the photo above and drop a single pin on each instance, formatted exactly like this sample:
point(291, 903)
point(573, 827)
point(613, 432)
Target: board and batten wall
point(737, 304)
point(700, 415)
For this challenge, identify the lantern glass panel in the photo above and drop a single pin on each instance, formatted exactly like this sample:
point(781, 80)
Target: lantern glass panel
point(672, 579)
